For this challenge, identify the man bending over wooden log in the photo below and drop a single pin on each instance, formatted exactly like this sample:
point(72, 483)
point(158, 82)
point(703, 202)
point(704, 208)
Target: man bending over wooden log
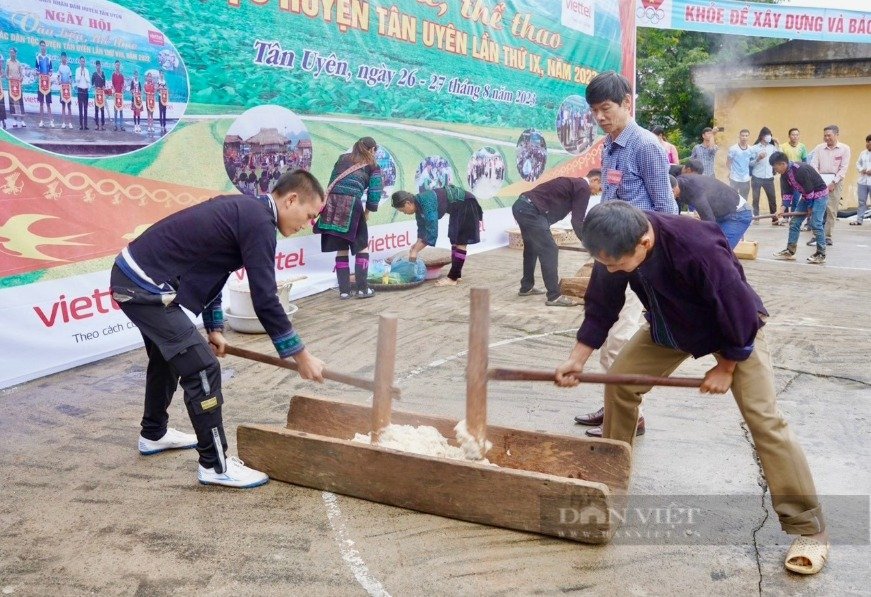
point(698, 302)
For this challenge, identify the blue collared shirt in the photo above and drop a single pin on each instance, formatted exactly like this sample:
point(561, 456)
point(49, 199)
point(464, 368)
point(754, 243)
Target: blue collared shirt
point(637, 160)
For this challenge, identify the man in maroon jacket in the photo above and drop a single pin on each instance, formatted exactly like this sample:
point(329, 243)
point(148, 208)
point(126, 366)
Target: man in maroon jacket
point(698, 303)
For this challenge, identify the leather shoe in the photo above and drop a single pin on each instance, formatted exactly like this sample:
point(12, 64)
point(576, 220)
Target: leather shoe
point(592, 419)
point(597, 431)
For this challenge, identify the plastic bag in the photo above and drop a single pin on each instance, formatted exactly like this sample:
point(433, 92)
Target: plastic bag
point(378, 268)
point(408, 271)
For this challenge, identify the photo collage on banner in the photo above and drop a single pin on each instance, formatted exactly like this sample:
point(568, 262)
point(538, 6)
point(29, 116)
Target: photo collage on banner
point(94, 81)
point(194, 99)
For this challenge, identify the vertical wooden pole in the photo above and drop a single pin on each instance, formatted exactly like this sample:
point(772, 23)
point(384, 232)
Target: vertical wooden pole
point(476, 366)
point(385, 366)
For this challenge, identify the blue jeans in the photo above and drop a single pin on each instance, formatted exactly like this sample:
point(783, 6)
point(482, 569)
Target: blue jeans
point(864, 191)
point(790, 202)
point(119, 118)
point(818, 210)
point(735, 225)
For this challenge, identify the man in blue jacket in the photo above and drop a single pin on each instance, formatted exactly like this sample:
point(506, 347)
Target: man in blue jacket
point(184, 260)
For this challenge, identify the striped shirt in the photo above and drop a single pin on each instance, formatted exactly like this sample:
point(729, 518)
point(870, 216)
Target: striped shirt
point(635, 169)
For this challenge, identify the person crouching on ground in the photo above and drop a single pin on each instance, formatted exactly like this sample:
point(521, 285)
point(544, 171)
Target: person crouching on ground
point(813, 200)
point(698, 302)
point(464, 223)
point(184, 260)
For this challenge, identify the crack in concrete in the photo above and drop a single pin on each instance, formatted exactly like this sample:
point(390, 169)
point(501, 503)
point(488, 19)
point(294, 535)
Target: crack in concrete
point(761, 482)
point(824, 376)
point(789, 383)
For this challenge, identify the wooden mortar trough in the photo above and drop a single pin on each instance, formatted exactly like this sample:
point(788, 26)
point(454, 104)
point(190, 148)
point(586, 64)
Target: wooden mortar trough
point(543, 483)
point(548, 484)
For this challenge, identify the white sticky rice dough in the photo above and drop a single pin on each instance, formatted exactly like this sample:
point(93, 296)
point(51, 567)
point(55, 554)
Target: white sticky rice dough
point(427, 441)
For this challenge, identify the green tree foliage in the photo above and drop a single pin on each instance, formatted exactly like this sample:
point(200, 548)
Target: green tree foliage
point(667, 95)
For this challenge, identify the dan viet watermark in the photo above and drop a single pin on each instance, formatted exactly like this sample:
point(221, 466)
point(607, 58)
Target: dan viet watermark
point(701, 519)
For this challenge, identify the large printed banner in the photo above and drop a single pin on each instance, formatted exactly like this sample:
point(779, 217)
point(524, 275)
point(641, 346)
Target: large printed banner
point(754, 19)
point(119, 114)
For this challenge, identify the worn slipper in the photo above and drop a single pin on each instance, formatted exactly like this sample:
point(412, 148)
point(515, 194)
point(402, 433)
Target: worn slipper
point(531, 292)
point(855, 223)
point(811, 550)
point(561, 301)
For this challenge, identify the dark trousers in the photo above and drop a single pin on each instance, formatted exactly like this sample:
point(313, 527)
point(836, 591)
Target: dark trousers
point(538, 245)
point(177, 353)
point(162, 115)
point(743, 188)
point(83, 107)
point(20, 103)
point(99, 116)
point(757, 184)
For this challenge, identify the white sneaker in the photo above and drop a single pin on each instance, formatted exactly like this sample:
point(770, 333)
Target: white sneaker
point(172, 440)
point(237, 475)
point(15, 125)
point(24, 126)
point(51, 124)
point(41, 125)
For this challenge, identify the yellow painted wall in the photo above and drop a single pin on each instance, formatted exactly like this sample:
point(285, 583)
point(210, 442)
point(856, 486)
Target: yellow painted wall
point(807, 108)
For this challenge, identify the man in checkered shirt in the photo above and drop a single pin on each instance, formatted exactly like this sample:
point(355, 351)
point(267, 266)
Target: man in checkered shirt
point(635, 170)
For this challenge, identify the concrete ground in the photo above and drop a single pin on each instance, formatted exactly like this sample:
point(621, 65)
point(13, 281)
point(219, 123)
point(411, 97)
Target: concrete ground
point(83, 512)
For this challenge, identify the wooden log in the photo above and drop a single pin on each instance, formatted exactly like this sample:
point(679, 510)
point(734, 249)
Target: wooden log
point(586, 270)
point(575, 287)
point(520, 500)
point(594, 459)
point(385, 365)
point(477, 363)
point(349, 380)
point(540, 474)
point(746, 249)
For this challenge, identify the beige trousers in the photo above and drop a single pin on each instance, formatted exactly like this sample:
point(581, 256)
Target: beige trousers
point(832, 208)
point(786, 469)
point(628, 322)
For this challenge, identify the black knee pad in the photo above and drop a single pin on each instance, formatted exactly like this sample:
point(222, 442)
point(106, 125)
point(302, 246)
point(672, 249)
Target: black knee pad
point(200, 377)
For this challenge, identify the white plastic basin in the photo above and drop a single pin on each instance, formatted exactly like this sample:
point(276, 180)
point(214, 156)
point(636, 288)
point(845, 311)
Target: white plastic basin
point(252, 325)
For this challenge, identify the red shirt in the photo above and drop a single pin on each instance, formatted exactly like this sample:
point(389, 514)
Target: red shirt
point(118, 82)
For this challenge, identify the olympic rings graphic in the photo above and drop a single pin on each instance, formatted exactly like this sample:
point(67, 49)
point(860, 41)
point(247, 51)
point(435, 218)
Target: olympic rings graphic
point(650, 14)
